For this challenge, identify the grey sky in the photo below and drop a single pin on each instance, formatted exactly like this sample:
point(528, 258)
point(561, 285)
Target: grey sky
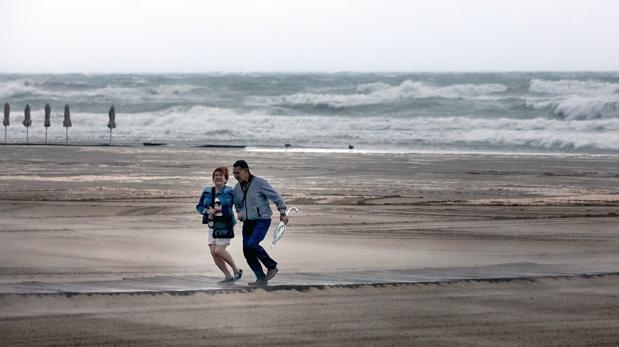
point(312, 35)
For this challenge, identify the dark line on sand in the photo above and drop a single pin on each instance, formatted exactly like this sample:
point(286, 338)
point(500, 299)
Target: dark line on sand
point(306, 287)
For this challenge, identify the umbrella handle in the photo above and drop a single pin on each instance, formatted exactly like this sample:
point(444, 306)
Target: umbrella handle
point(292, 208)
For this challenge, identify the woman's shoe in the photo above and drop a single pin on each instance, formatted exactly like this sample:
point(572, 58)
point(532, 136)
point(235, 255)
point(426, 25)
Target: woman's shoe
point(238, 275)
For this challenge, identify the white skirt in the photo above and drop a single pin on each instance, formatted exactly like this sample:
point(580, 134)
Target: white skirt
point(216, 241)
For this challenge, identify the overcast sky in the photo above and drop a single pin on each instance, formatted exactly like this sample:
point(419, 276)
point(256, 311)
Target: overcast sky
point(307, 35)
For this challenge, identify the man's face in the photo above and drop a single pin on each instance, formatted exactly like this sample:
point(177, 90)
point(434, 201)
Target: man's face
point(241, 175)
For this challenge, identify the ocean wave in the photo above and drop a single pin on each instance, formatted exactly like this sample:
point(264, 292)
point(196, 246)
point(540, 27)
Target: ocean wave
point(379, 93)
point(212, 125)
point(9, 89)
point(399, 111)
point(576, 100)
point(573, 87)
point(80, 91)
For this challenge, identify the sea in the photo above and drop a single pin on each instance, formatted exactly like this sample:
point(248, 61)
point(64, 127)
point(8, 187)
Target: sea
point(517, 112)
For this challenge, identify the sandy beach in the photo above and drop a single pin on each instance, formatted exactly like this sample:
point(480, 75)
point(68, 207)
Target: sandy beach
point(71, 213)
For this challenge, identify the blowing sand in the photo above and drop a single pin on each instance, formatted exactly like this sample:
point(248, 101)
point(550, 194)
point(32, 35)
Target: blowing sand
point(92, 213)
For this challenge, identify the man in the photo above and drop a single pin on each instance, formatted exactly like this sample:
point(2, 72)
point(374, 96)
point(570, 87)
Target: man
point(251, 201)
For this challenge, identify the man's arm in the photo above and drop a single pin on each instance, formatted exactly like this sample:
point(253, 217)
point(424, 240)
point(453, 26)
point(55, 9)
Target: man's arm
point(274, 196)
point(236, 200)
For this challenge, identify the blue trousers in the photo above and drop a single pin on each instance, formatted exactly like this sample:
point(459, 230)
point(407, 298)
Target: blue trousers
point(254, 232)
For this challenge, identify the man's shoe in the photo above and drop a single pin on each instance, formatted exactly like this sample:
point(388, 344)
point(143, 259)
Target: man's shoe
point(271, 273)
point(238, 275)
point(258, 283)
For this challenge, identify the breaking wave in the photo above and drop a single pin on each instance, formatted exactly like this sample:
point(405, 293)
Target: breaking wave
point(382, 93)
point(576, 100)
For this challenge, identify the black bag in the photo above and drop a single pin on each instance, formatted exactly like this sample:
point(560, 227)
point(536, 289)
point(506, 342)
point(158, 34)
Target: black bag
point(222, 225)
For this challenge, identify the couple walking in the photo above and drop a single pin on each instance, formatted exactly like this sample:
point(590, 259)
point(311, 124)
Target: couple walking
point(250, 198)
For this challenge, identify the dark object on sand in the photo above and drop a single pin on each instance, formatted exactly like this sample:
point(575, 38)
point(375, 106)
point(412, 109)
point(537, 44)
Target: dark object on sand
point(27, 120)
point(6, 121)
point(47, 122)
point(67, 121)
point(112, 122)
point(153, 144)
point(223, 146)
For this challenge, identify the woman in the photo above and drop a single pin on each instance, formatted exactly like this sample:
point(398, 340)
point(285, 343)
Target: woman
point(216, 210)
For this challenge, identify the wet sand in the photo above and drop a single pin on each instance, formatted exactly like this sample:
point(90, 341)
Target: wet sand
point(98, 213)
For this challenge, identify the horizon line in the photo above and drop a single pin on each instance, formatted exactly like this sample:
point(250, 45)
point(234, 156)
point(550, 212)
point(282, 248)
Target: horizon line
point(299, 72)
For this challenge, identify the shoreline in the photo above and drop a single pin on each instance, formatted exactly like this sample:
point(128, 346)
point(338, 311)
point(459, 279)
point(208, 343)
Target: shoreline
point(330, 150)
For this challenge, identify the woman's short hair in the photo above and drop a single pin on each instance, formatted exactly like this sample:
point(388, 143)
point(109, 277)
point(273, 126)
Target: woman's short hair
point(222, 170)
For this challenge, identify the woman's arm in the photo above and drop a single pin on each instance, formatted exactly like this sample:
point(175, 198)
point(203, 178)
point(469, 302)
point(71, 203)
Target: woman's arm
point(200, 207)
point(226, 198)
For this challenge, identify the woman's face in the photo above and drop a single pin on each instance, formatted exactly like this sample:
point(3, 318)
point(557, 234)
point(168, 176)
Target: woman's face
point(219, 178)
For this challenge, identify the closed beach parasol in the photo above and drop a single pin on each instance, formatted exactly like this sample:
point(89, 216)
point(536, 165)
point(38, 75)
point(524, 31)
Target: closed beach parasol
point(6, 121)
point(281, 228)
point(112, 123)
point(27, 121)
point(47, 122)
point(67, 121)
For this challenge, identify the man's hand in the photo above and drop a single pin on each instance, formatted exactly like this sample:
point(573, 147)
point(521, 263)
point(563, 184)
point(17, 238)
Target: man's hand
point(283, 218)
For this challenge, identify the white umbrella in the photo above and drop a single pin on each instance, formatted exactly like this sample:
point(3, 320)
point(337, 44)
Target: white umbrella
point(27, 121)
point(6, 122)
point(112, 123)
point(281, 228)
point(67, 121)
point(47, 122)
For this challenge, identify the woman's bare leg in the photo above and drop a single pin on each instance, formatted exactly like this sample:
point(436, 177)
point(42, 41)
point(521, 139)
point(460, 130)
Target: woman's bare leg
point(221, 264)
point(226, 256)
